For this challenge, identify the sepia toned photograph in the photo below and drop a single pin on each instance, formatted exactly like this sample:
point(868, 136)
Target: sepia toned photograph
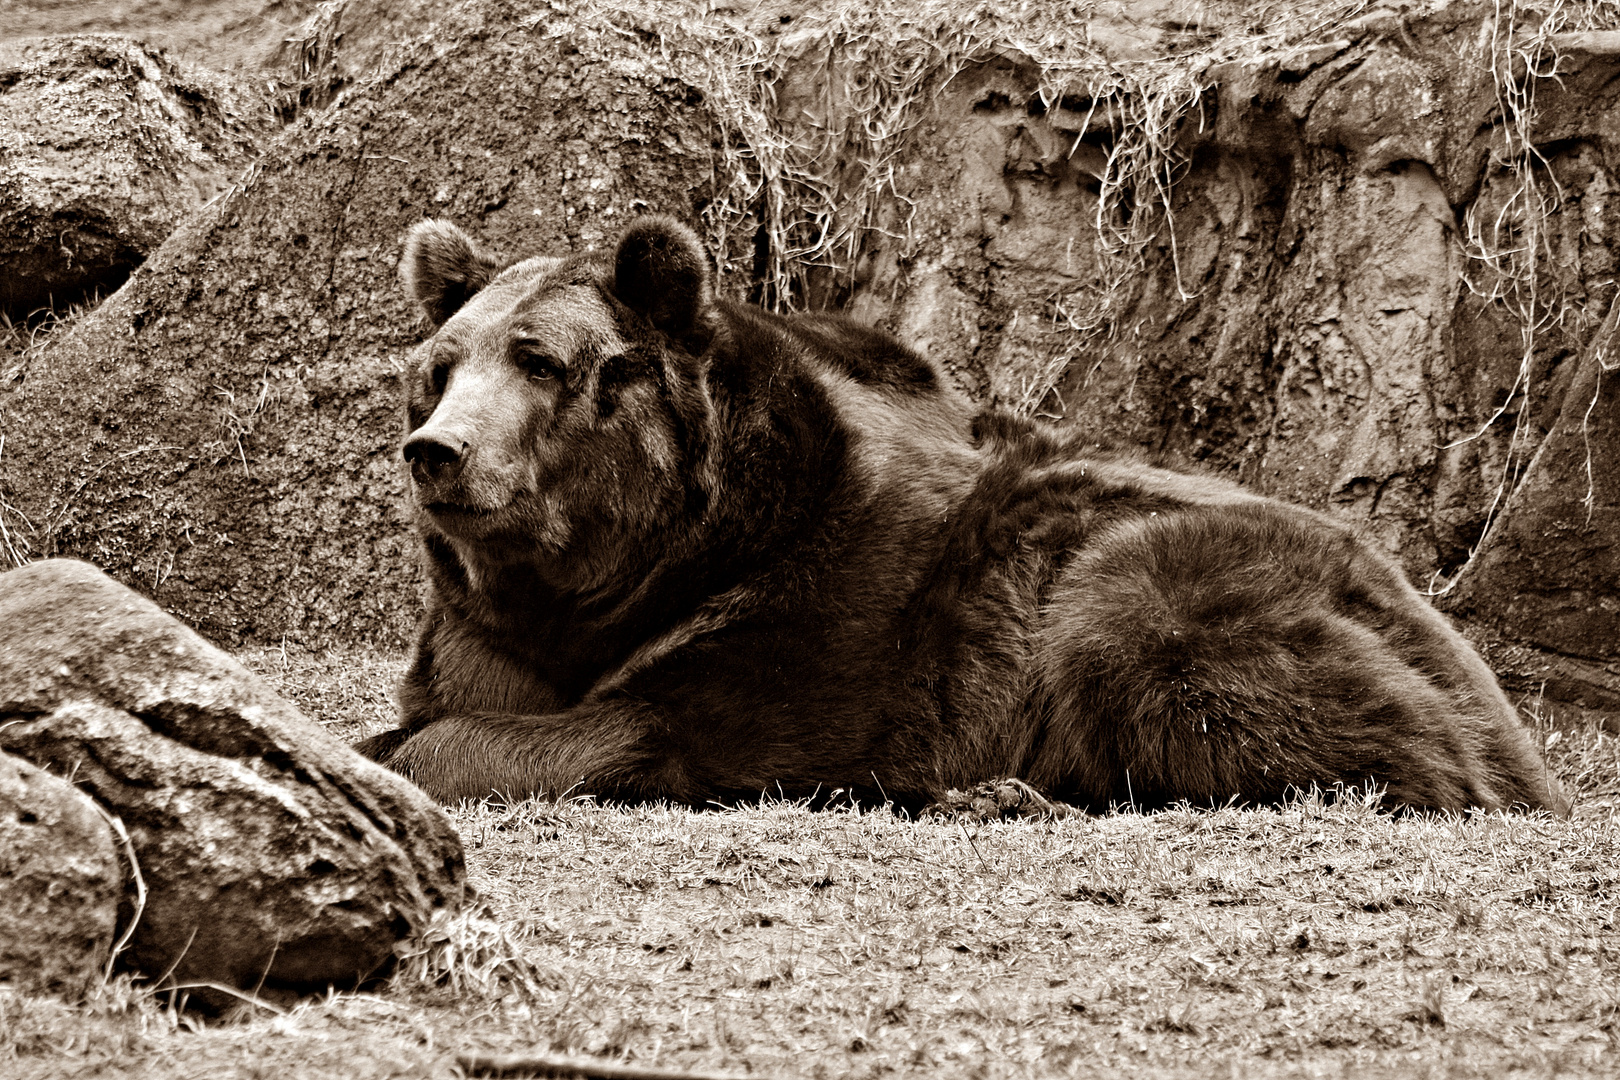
point(809, 540)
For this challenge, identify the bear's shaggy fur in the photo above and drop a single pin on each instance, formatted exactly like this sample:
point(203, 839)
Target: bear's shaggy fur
point(685, 549)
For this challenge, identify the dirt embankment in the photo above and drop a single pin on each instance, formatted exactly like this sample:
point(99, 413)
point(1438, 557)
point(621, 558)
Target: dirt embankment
point(1358, 257)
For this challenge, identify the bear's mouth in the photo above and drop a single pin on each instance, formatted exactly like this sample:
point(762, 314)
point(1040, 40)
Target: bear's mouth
point(455, 510)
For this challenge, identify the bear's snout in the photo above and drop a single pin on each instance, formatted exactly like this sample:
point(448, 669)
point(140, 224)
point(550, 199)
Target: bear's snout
point(434, 458)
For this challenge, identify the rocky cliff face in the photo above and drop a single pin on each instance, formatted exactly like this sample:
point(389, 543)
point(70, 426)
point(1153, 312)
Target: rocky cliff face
point(1360, 258)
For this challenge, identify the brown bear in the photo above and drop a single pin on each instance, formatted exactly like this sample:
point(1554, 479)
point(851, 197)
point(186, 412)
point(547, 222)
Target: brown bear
point(681, 548)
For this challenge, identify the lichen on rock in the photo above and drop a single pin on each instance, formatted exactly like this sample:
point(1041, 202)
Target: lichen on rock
point(272, 855)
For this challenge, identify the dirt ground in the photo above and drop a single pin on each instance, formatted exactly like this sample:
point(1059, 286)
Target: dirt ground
point(1313, 940)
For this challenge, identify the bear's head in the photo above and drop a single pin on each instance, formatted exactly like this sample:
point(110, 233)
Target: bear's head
point(556, 410)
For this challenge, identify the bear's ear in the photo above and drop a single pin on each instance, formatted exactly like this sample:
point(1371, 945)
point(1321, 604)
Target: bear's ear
point(442, 268)
point(662, 272)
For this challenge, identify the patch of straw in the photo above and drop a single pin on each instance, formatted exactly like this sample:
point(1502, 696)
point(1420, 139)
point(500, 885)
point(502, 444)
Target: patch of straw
point(469, 952)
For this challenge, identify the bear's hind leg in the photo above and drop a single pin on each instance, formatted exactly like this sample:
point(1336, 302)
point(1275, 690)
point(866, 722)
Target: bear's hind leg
point(1250, 651)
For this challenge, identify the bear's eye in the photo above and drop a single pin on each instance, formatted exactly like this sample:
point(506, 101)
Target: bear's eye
point(539, 365)
point(438, 375)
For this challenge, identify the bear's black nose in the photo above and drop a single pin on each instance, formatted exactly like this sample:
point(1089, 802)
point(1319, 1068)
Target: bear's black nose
point(434, 459)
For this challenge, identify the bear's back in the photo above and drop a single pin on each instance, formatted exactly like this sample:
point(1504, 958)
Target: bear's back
point(869, 355)
point(909, 431)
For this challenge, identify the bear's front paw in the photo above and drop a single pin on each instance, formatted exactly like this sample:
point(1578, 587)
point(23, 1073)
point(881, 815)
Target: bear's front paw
point(997, 800)
point(381, 747)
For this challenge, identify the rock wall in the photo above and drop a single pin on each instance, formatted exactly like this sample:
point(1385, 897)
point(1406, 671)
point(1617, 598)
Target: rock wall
point(1307, 277)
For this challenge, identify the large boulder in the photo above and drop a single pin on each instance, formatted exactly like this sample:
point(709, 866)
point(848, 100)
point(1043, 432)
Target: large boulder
point(60, 883)
point(105, 145)
point(272, 854)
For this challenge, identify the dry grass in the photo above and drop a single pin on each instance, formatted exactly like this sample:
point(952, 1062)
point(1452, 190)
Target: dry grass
point(1278, 941)
point(1310, 940)
point(351, 693)
point(305, 62)
point(23, 340)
